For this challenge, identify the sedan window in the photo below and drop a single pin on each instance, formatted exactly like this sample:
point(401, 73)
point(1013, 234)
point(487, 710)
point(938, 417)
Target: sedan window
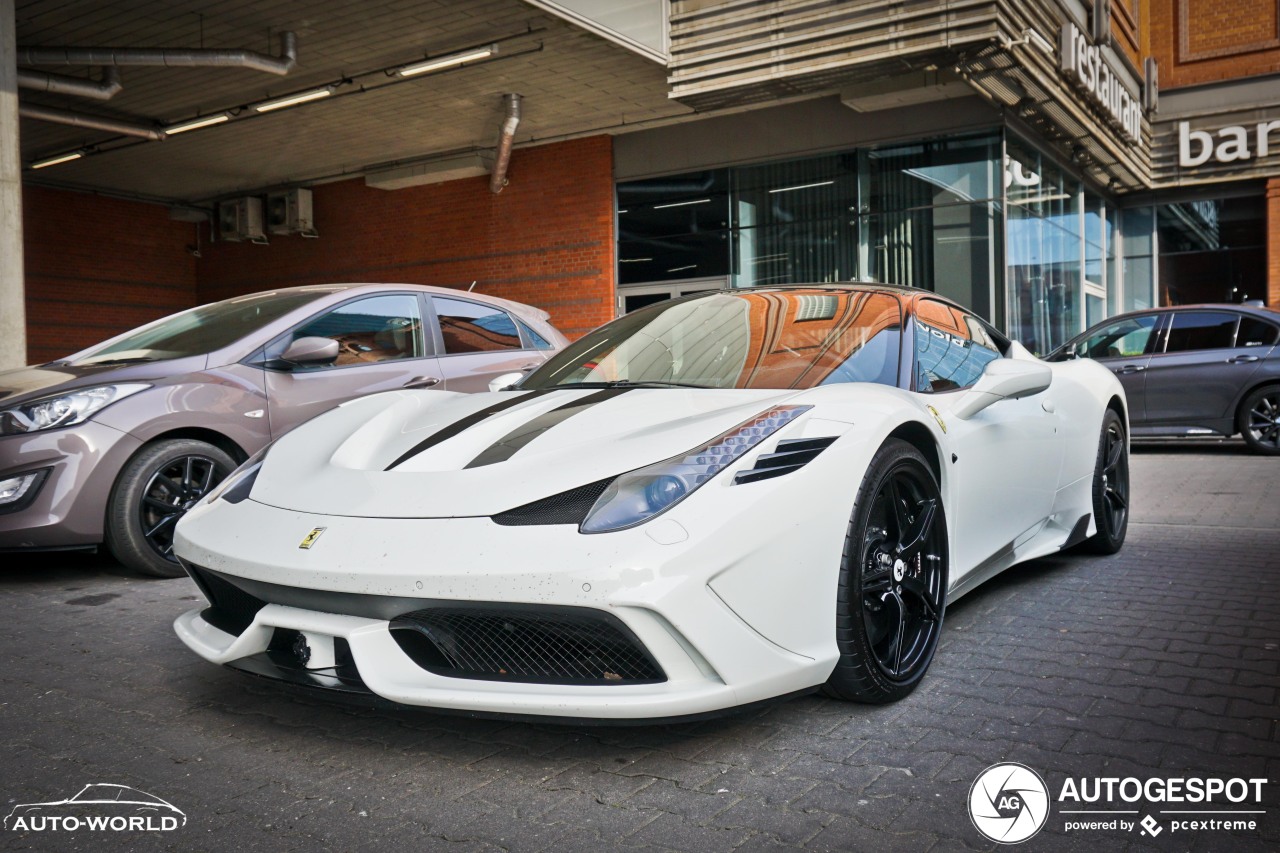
point(1201, 330)
point(1127, 338)
point(1256, 333)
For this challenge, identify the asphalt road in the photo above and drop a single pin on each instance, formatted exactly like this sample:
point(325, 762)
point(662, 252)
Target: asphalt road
point(1158, 662)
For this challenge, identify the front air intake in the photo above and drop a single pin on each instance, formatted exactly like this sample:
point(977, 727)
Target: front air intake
point(790, 455)
point(535, 644)
point(230, 609)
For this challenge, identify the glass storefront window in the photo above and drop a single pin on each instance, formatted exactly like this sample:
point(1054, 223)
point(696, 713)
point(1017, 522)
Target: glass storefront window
point(1139, 285)
point(1044, 232)
point(674, 228)
point(1212, 250)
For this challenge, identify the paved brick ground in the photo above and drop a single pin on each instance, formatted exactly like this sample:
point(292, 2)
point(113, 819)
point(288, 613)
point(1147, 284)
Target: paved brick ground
point(1160, 661)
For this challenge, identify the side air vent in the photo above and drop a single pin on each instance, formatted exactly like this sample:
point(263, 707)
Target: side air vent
point(790, 455)
point(569, 507)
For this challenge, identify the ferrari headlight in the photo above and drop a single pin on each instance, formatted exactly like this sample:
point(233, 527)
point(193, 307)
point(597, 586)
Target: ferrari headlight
point(68, 409)
point(639, 495)
point(239, 483)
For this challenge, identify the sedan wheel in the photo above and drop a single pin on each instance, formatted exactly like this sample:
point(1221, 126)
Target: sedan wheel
point(893, 580)
point(156, 489)
point(1259, 420)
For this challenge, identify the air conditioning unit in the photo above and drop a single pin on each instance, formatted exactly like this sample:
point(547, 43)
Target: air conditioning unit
point(289, 212)
point(241, 219)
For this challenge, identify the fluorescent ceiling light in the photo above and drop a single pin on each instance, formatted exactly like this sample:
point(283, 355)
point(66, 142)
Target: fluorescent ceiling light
point(682, 203)
point(61, 158)
point(680, 269)
point(293, 100)
point(447, 61)
point(197, 123)
point(801, 187)
point(633, 260)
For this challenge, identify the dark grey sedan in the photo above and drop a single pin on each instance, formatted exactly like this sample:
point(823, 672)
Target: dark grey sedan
point(115, 443)
point(1193, 370)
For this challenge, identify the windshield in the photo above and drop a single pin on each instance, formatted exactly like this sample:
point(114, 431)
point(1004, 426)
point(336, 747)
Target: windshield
point(200, 330)
point(750, 339)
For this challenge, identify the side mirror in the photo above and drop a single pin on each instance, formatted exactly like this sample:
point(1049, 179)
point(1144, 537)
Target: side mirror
point(1003, 379)
point(505, 381)
point(309, 351)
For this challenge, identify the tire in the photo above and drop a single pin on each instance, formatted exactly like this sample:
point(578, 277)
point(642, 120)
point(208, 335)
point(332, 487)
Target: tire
point(1258, 420)
point(893, 580)
point(1110, 488)
point(154, 490)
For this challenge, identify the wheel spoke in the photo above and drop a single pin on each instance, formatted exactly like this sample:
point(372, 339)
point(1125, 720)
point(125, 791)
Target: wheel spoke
point(919, 531)
point(917, 588)
point(169, 485)
point(164, 506)
point(1114, 453)
point(208, 479)
point(902, 630)
point(188, 463)
point(897, 509)
point(164, 521)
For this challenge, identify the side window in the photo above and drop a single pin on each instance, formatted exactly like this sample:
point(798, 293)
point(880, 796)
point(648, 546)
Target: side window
point(1256, 333)
point(952, 347)
point(1201, 330)
point(535, 339)
point(471, 327)
point(380, 328)
point(1124, 339)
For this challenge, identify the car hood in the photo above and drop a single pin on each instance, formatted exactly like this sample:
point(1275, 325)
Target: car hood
point(43, 380)
point(432, 454)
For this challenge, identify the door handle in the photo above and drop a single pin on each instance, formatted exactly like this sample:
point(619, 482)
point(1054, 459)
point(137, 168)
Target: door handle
point(1243, 359)
point(422, 382)
point(1130, 369)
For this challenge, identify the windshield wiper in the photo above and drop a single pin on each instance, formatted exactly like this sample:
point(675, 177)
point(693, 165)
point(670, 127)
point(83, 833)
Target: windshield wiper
point(630, 383)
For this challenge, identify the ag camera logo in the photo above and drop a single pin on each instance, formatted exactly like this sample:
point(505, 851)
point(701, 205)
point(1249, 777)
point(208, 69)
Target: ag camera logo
point(1008, 803)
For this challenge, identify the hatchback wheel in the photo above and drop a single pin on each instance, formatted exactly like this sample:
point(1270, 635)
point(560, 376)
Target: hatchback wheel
point(1259, 420)
point(153, 491)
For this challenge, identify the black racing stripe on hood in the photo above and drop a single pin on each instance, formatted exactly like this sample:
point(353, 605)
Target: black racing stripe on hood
point(464, 424)
point(511, 443)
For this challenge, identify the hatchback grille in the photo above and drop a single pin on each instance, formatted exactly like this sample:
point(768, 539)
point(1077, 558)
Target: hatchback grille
point(230, 609)
point(526, 643)
point(790, 455)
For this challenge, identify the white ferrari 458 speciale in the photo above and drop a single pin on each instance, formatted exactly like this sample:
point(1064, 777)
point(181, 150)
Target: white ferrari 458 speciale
point(709, 502)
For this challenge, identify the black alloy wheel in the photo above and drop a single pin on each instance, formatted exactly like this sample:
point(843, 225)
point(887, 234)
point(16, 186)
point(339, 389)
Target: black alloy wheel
point(1259, 420)
point(159, 486)
point(893, 580)
point(1110, 488)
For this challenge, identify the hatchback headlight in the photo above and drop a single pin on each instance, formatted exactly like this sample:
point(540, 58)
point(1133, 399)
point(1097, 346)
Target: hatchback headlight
point(69, 409)
point(639, 495)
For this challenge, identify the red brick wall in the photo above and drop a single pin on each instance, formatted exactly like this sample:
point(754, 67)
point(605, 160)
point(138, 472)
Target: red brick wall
point(547, 239)
point(1204, 41)
point(99, 266)
point(1273, 242)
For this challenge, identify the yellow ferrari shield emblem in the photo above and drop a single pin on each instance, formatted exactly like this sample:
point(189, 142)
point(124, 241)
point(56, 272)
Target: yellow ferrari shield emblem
point(311, 538)
point(937, 417)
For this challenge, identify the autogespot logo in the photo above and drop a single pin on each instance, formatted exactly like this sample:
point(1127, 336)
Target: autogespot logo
point(1008, 803)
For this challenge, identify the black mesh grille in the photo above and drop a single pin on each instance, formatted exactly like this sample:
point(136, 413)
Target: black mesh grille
point(545, 645)
point(231, 608)
point(569, 507)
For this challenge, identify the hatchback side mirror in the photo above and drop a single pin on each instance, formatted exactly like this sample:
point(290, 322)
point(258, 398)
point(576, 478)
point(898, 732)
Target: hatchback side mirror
point(309, 351)
point(1003, 379)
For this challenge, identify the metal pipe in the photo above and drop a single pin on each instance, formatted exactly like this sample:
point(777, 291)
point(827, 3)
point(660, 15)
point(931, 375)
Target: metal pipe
point(166, 56)
point(95, 122)
point(506, 138)
point(64, 85)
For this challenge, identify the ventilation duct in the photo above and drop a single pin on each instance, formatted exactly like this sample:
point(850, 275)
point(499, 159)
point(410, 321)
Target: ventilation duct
point(94, 122)
point(60, 84)
point(506, 139)
point(170, 57)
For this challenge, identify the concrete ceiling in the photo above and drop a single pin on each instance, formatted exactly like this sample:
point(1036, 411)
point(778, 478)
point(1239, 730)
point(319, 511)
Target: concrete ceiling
point(573, 82)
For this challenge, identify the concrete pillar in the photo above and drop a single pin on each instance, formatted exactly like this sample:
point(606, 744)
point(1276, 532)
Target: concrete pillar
point(1273, 242)
point(13, 310)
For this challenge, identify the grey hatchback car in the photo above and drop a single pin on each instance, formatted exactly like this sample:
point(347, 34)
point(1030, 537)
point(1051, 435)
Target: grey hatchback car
point(1193, 370)
point(113, 444)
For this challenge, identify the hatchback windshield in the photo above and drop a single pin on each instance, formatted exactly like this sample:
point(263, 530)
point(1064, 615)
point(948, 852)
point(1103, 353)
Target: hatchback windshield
point(200, 330)
point(753, 339)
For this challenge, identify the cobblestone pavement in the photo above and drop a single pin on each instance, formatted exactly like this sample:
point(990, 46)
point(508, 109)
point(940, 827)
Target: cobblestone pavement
point(1160, 661)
